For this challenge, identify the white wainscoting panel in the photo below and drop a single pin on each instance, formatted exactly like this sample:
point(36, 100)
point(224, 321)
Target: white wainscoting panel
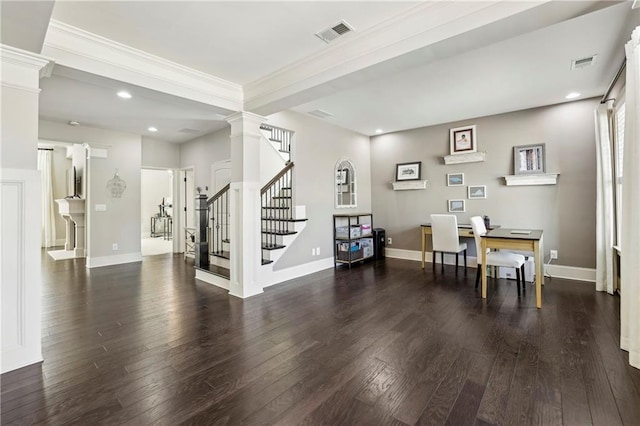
point(20, 253)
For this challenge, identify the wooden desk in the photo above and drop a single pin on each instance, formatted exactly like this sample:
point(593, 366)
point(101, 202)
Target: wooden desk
point(464, 230)
point(503, 238)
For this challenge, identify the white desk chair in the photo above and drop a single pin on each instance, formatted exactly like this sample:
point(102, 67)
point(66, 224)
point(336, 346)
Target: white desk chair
point(496, 258)
point(444, 233)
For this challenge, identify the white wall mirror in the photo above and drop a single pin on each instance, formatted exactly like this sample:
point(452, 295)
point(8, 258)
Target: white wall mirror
point(528, 159)
point(345, 184)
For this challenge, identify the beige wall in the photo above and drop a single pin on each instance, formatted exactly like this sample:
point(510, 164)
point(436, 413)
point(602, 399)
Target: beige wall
point(121, 222)
point(566, 212)
point(202, 152)
point(160, 154)
point(317, 147)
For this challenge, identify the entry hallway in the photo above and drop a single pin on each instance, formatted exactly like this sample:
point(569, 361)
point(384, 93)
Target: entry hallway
point(384, 343)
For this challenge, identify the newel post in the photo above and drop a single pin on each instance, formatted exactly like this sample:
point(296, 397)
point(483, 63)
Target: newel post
point(201, 245)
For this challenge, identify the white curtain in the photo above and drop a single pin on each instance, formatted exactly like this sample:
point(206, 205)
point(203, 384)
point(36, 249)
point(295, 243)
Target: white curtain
point(604, 199)
point(630, 257)
point(45, 161)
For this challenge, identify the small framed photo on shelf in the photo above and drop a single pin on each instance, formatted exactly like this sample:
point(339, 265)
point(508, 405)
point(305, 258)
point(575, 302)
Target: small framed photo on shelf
point(455, 179)
point(408, 171)
point(462, 140)
point(456, 206)
point(477, 191)
point(528, 159)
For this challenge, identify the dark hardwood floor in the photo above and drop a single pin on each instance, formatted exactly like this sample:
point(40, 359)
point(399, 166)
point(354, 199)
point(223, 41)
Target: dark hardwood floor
point(384, 343)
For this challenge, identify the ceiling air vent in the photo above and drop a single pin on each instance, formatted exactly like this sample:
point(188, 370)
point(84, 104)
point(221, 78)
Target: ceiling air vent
point(583, 62)
point(189, 131)
point(320, 113)
point(334, 32)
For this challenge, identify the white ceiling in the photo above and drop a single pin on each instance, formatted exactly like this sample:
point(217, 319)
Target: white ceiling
point(523, 72)
point(507, 66)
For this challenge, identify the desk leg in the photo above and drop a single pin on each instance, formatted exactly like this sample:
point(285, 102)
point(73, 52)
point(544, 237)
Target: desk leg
point(424, 236)
point(484, 267)
point(537, 251)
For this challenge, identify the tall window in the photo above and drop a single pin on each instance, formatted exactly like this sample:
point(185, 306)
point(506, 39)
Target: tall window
point(618, 146)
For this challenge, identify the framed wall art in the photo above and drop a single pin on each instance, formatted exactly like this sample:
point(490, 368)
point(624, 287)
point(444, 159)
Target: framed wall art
point(456, 206)
point(455, 179)
point(462, 140)
point(476, 192)
point(408, 171)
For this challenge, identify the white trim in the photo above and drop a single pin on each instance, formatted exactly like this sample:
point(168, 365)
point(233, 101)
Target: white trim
point(96, 262)
point(20, 253)
point(213, 279)
point(60, 241)
point(571, 273)
point(92, 53)
point(22, 87)
point(537, 179)
point(471, 157)
point(408, 185)
point(556, 271)
point(278, 277)
point(24, 58)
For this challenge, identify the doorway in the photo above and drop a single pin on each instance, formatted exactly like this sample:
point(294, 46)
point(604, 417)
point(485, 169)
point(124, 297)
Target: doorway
point(157, 211)
point(187, 200)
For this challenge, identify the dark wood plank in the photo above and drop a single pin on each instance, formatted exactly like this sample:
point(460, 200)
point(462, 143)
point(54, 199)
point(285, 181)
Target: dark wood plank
point(383, 343)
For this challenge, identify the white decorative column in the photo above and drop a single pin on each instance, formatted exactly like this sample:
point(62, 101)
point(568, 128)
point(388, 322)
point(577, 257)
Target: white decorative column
point(20, 229)
point(245, 204)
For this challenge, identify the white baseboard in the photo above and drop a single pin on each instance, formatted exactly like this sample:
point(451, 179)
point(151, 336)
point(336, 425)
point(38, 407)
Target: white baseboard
point(556, 271)
point(277, 277)
point(213, 279)
point(571, 273)
point(449, 259)
point(60, 241)
point(96, 262)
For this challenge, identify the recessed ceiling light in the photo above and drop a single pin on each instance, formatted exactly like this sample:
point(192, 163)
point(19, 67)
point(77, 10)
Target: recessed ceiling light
point(74, 123)
point(152, 129)
point(124, 94)
point(572, 95)
point(379, 131)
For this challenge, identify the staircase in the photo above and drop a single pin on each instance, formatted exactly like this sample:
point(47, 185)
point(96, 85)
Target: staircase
point(277, 220)
point(280, 220)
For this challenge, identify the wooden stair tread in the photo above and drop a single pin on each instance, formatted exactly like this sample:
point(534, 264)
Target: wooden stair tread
point(221, 254)
point(272, 247)
point(276, 208)
point(266, 262)
point(284, 220)
point(278, 232)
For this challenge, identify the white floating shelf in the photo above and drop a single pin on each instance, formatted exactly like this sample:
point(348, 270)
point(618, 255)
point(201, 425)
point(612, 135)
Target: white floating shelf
point(407, 185)
point(540, 179)
point(472, 157)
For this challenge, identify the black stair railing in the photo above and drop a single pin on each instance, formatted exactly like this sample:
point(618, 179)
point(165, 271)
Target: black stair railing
point(219, 213)
point(276, 207)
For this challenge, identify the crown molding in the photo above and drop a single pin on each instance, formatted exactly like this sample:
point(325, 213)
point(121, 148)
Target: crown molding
point(98, 55)
point(418, 27)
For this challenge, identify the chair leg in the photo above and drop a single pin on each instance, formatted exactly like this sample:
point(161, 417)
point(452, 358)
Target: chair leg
point(524, 287)
point(518, 280)
point(478, 273)
point(465, 261)
point(442, 260)
point(433, 259)
point(457, 257)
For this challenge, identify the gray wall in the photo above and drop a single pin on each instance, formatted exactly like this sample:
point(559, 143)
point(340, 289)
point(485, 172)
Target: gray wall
point(566, 211)
point(202, 152)
point(121, 222)
point(317, 147)
point(160, 154)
